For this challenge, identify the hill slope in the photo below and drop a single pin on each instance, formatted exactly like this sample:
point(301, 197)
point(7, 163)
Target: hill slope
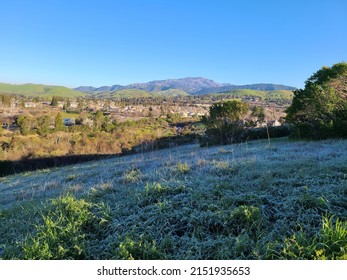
point(37, 90)
point(272, 94)
point(246, 201)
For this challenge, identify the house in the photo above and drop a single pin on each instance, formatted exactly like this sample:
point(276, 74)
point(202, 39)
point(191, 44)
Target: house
point(73, 104)
point(61, 104)
point(30, 104)
point(274, 123)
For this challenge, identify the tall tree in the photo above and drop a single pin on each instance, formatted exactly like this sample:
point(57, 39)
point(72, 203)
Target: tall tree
point(224, 124)
point(59, 123)
point(1, 121)
point(320, 109)
point(99, 119)
point(54, 101)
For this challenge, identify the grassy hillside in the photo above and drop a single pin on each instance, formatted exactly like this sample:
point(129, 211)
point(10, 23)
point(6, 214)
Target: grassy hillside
point(34, 90)
point(137, 93)
point(274, 94)
point(283, 200)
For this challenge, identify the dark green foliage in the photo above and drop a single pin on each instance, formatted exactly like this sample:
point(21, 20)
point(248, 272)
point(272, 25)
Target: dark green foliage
point(99, 119)
point(54, 101)
point(107, 125)
point(25, 124)
point(224, 124)
point(320, 109)
point(43, 125)
point(59, 123)
point(258, 112)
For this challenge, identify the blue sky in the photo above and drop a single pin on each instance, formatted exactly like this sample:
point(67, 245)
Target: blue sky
point(101, 42)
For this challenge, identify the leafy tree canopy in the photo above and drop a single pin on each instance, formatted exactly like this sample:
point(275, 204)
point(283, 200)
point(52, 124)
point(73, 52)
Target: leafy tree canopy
point(224, 122)
point(320, 109)
point(226, 113)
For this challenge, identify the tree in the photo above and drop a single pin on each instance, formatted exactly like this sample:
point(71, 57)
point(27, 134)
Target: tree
point(59, 123)
point(99, 119)
point(107, 125)
point(224, 124)
point(43, 124)
point(25, 124)
point(54, 101)
point(258, 113)
point(320, 109)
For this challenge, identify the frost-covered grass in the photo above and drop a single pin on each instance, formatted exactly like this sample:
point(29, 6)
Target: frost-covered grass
point(253, 200)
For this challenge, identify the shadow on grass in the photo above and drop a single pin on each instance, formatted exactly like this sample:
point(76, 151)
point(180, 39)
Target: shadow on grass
point(12, 167)
point(9, 167)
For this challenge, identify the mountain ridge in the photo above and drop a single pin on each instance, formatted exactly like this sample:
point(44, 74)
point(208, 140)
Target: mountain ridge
point(191, 85)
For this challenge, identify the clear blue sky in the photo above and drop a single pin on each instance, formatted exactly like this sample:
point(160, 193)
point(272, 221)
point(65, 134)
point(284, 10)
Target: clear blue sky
point(101, 42)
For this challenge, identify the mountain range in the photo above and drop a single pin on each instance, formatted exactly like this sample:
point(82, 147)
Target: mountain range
point(160, 88)
point(191, 85)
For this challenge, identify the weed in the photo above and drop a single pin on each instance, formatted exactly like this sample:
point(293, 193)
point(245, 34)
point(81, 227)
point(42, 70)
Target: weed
point(182, 168)
point(244, 218)
point(329, 243)
point(132, 175)
point(143, 249)
point(71, 177)
point(63, 232)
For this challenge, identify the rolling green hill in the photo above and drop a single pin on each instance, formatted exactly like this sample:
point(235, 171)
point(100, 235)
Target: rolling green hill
point(271, 94)
point(37, 90)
